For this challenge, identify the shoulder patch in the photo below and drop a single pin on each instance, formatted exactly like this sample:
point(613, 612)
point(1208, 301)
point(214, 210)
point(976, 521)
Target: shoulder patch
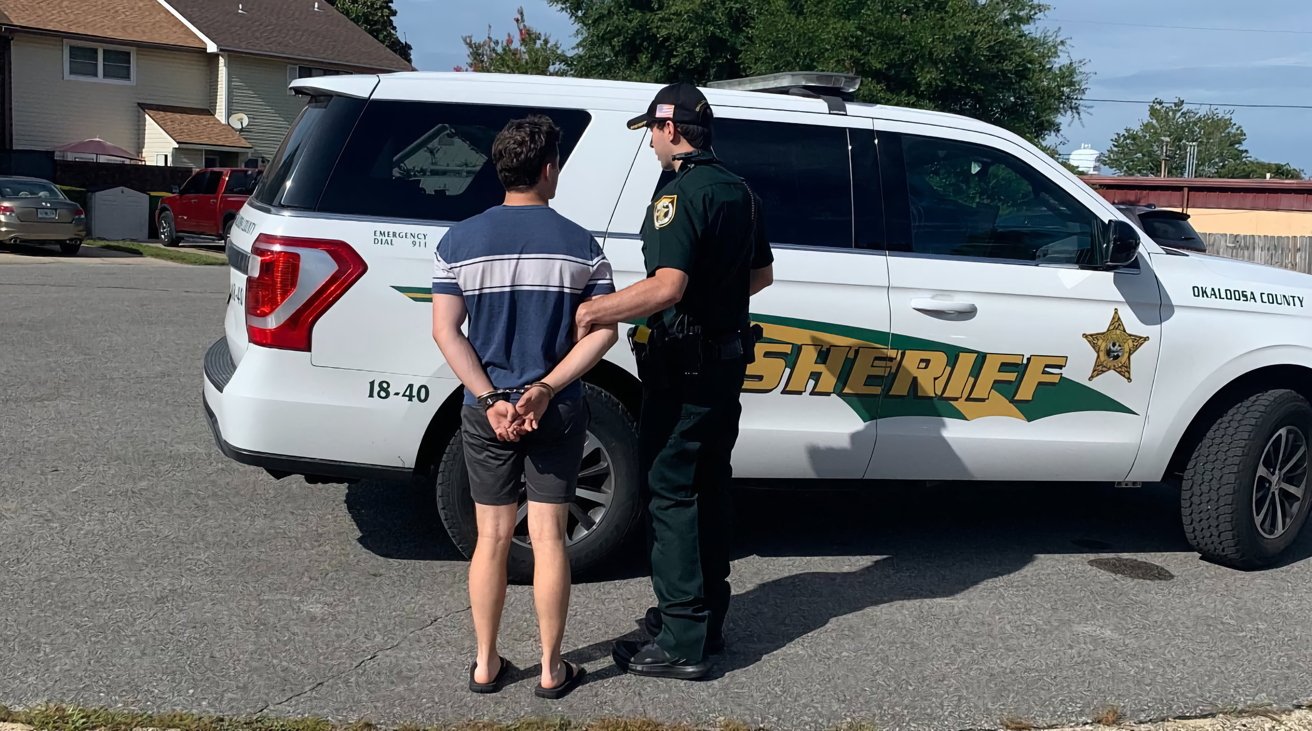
point(662, 211)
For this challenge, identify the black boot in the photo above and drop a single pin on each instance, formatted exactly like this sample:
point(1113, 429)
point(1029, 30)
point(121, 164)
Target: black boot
point(649, 659)
point(652, 623)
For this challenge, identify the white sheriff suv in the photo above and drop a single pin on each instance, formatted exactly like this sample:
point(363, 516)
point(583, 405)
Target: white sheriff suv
point(950, 303)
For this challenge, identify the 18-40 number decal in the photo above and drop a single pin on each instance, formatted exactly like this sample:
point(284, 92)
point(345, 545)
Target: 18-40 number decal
point(411, 392)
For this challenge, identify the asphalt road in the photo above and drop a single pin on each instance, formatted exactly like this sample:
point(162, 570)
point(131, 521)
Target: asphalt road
point(140, 568)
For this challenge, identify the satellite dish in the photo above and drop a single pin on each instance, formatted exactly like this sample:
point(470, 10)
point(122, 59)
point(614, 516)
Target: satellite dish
point(239, 121)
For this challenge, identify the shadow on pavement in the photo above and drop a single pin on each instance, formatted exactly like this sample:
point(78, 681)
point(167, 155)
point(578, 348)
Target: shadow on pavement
point(914, 542)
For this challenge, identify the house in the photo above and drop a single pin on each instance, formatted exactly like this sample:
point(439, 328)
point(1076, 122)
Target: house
point(175, 82)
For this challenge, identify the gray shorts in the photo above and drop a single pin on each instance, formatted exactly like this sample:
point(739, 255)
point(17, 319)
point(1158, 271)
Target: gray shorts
point(547, 460)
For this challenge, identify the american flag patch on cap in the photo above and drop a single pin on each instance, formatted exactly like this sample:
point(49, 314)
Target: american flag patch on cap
point(665, 111)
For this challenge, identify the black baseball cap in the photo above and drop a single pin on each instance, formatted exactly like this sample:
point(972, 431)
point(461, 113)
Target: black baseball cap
point(681, 103)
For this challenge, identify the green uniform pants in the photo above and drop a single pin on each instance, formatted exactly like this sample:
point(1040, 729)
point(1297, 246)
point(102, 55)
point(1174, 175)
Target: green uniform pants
point(687, 431)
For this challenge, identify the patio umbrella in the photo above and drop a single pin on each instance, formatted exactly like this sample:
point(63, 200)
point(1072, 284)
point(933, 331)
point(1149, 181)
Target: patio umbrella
point(98, 147)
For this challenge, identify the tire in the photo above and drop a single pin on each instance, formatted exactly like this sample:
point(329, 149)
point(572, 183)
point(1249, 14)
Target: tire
point(168, 230)
point(1224, 489)
point(70, 248)
point(227, 229)
point(615, 432)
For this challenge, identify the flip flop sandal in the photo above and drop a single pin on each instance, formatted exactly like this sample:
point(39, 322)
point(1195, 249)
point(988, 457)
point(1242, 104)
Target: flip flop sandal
point(573, 675)
point(496, 683)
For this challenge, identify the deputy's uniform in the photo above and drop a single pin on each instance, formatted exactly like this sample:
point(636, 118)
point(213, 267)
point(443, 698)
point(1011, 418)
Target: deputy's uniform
point(707, 223)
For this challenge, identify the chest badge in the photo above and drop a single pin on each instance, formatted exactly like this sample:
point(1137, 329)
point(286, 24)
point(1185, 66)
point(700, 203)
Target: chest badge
point(1114, 347)
point(662, 211)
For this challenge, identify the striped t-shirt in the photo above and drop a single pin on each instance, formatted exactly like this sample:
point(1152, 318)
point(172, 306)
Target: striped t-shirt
point(522, 270)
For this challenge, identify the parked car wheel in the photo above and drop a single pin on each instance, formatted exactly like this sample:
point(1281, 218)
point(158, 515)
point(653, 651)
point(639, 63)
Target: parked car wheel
point(70, 248)
point(227, 229)
point(604, 516)
point(1244, 495)
point(168, 230)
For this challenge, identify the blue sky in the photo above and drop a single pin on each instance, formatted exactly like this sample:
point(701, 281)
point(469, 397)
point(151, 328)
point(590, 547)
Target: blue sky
point(1128, 59)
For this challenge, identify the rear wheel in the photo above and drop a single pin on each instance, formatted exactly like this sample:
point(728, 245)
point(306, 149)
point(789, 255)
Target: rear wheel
point(1244, 494)
point(70, 248)
point(168, 229)
point(604, 515)
point(227, 229)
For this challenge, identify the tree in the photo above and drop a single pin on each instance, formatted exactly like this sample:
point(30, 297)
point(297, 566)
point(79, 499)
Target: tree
point(1138, 150)
point(983, 58)
point(536, 52)
point(1258, 169)
point(377, 18)
point(1221, 152)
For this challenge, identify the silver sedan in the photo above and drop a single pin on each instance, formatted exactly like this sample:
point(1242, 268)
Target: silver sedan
point(37, 211)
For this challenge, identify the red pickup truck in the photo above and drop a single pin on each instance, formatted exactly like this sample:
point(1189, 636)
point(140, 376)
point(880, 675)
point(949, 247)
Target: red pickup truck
point(206, 205)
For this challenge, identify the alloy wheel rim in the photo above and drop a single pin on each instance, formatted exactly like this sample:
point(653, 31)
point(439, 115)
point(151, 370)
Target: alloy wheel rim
point(592, 499)
point(1281, 482)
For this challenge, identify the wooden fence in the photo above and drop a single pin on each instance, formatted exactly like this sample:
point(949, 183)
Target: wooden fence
point(1288, 252)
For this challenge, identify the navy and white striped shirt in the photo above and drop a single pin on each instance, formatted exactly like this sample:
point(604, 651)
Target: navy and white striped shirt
point(522, 271)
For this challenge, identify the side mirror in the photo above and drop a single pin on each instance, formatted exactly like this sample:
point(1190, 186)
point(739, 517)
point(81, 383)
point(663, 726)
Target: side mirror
point(1119, 245)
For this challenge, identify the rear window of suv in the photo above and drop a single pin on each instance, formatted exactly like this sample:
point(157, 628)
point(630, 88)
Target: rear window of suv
point(400, 159)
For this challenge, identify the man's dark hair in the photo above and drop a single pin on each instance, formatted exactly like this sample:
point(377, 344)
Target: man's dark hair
point(696, 135)
point(522, 148)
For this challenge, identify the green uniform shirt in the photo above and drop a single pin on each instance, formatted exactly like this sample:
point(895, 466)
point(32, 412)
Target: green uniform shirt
point(708, 224)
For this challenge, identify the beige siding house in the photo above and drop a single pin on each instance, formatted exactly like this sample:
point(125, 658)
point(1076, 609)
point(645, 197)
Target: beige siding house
point(174, 82)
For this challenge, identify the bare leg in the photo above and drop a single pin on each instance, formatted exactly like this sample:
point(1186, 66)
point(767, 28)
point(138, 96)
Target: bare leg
point(487, 583)
point(551, 582)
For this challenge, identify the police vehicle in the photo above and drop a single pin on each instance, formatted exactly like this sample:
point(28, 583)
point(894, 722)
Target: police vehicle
point(949, 304)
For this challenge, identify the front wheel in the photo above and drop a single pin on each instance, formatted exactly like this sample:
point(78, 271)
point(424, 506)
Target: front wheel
point(1244, 494)
point(604, 517)
point(70, 248)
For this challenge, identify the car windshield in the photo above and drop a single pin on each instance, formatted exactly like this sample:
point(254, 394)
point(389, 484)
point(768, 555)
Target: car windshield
point(1169, 229)
point(29, 189)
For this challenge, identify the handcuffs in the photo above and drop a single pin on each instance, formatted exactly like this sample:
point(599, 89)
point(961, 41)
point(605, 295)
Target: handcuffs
point(495, 396)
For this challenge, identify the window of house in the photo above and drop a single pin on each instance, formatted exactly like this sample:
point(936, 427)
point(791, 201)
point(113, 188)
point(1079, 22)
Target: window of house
point(99, 63)
point(974, 201)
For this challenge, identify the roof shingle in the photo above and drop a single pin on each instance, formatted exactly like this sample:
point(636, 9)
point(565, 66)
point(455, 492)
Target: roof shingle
point(135, 21)
point(309, 30)
point(189, 126)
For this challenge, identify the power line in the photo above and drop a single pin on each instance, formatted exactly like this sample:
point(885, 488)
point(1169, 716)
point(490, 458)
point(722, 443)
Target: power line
point(1201, 104)
point(1181, 27)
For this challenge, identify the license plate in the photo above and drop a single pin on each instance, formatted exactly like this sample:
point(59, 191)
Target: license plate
point(46, 214)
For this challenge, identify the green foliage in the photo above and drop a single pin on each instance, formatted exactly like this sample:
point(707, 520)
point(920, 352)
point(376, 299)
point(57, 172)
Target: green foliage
point(535, 53)
point(982, 58)
point(1259, 169)
point(377, 17)
point(1221, 151)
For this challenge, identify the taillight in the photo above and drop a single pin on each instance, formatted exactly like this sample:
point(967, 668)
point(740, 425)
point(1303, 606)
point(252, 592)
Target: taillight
point(6, 208)
point(295, 281)
point(79, 213)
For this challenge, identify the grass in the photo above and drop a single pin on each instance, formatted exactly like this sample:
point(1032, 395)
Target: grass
point(68, 718)
point(1108, 715)
point(178, 256)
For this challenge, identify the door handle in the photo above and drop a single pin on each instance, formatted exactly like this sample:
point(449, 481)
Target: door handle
point(943, 307)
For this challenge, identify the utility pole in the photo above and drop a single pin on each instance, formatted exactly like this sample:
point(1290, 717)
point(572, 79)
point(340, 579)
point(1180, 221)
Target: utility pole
point(1166, 151)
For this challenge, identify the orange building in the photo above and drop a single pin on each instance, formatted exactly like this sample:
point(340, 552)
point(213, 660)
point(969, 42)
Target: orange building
point(1217, 205)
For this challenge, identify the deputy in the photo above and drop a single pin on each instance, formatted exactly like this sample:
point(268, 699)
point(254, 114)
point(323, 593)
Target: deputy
point(706, 253)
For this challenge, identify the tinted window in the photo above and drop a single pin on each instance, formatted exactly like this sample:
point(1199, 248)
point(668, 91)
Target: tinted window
point(429, 161)
point(971, 200)
point(241, 182)
point(1161, 228)
point(17, 188)
point(802, 174)
point(197, 183)
point(296, 176)
point(209, 183)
